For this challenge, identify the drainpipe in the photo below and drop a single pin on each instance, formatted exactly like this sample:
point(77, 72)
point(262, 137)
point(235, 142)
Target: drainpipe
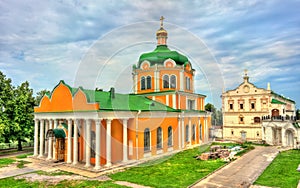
point(136, 134)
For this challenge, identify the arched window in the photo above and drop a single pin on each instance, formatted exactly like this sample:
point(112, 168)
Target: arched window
point(159, 138)
point(170, 136)
point(146, 139)
point(188, 83)
point(143, 83)
point(194, 132)
point(200, 132)
point(173, 81)
point(256, 119)
point(148, 82)
point(166, 81)
point(187, 133)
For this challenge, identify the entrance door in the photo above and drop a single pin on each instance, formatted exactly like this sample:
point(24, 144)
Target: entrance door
point(289, 138)
point(60, 149)
point(243, 135)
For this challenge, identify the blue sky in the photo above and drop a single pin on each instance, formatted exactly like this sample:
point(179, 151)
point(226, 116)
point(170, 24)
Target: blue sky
point(95, 43)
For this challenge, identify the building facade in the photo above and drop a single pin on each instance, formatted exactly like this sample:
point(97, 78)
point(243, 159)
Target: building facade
point(101, 129)
point(250, 112)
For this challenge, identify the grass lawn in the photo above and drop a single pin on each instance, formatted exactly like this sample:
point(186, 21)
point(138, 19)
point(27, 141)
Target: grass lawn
point(282, 171)
point(17, 183)
point(25, 155)
point(180, 170)
point(6, 161)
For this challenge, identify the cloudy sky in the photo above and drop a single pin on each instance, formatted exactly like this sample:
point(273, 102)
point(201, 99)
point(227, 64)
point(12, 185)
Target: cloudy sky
point(95, 43)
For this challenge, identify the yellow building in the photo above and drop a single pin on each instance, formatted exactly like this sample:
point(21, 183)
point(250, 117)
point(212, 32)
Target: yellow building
point(247, 106)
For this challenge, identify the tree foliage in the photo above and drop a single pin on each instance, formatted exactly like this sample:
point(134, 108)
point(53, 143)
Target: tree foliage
point(217, 118)
point(40, 95)
point(16, 104)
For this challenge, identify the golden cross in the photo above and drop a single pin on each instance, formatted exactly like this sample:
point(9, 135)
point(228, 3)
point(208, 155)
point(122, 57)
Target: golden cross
point(246, 72)
point(161, 21)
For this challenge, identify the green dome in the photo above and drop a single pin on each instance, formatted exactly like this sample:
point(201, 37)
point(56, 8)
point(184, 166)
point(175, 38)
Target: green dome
point(160, 54)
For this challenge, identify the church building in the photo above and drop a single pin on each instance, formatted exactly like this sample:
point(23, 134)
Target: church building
point(103, 128)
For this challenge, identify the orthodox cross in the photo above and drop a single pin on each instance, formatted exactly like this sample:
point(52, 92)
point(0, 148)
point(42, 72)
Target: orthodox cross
point(246, 72)
point(161, 21)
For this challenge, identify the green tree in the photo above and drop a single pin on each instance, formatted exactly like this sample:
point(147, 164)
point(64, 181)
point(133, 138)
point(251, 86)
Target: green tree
point(216, 118)
point(6, 105)
point(39, 96)
point(22, 125)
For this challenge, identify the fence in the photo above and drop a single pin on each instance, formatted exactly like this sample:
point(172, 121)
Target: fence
point(4, 146)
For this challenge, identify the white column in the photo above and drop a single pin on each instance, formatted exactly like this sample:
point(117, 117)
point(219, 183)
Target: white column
point(283, 140)
point(98, 143)
point(135, 81)
point(179, 132)
point(181, 79)
point(190, 131)
point(36, 139)
point(75, 145)
point(41, 138)
point(205, 130)
point(167, 100)
point(45, 136)
point(125, 145)
point(174, 101)
point(108, 142)
point(69, 157)
point(50, 147)
point(182, 132)
point(54, 148)
point(88, 143)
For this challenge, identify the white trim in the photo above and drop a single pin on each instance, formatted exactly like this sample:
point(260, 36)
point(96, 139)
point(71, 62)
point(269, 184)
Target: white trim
point(174, 101)
point(170, 148)
point(75, 140)
point(144, 62)
point(167, 100)
point(181, 77)
point(135, 81)
point(41, 137)
point(169, 60)
point(159, 151)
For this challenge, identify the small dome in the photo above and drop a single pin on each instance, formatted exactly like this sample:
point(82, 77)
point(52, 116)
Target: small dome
point(161, 32)
point(160, 54)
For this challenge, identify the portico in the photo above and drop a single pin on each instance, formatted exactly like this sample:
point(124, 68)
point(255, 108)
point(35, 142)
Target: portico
point(73, 153)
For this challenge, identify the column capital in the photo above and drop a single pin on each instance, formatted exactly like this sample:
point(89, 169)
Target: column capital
point(98, 120)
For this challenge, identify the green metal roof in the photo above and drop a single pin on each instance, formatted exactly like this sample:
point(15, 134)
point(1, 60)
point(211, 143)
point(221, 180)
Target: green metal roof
point(125, 102)
point(275, 101)
point(282, 97)
point(160, 54)
point(59, 133)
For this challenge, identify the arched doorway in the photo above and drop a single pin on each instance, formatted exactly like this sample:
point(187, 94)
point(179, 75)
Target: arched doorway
point(289, 138)
point(275, 112)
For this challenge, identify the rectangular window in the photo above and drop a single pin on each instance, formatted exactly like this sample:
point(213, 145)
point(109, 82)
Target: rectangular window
point(252, 105)
point(188, 83)
point(191, 104)
point(231, 106)
point(241, 106)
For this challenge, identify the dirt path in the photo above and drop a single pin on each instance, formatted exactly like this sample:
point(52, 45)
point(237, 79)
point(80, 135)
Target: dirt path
point(242, 172)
